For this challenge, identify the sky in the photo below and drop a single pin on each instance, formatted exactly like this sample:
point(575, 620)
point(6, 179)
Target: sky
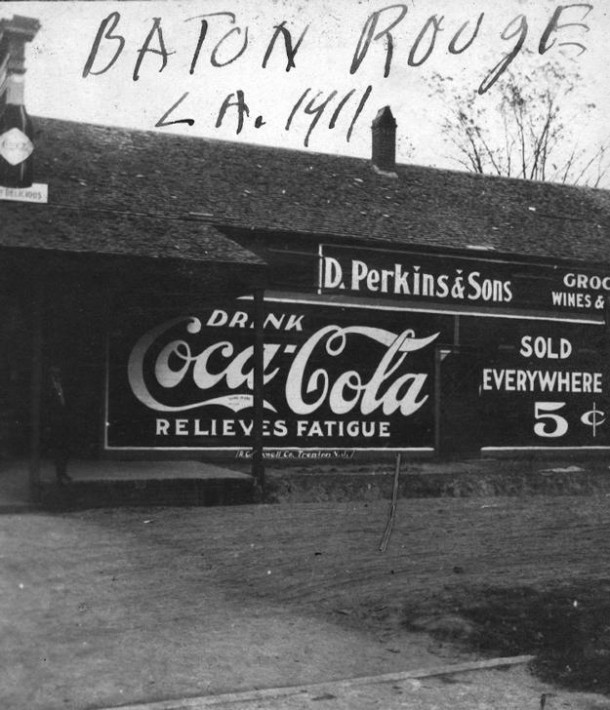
point(182, 62)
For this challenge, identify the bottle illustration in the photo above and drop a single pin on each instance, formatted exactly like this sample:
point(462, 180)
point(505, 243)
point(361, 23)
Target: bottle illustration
point(16, 129)
point(16, 140)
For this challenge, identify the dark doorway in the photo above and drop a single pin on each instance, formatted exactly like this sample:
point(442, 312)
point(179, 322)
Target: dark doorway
point(15, 348)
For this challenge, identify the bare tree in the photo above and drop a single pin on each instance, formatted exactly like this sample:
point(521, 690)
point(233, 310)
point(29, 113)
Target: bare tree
point(522, 128)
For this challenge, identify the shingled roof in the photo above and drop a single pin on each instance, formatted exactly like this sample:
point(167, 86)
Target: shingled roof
point(119, 191)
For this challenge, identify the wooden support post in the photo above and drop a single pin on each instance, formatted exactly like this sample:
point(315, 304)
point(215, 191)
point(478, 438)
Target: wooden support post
point(456, 330)
point(437, 400)
point(258, 466)
point(36, 390)
point(607, 326)
point(390, 524)
point(605, 356)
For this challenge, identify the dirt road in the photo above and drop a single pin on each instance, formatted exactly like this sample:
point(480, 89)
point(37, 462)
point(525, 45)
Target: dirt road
point(105, 607)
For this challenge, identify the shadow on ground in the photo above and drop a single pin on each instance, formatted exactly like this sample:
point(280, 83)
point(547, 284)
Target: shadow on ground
point(567, 628)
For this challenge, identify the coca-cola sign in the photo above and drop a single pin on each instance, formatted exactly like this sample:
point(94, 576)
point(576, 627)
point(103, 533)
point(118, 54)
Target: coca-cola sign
point(333, 378)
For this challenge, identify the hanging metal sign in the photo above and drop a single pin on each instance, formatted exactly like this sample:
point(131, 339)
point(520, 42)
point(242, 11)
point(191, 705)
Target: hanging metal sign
point(38, 192)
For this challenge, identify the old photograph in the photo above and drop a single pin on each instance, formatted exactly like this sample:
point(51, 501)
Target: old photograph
point(304, 345)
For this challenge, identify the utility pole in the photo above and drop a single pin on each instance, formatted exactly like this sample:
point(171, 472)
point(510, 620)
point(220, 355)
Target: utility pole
point(258, 465)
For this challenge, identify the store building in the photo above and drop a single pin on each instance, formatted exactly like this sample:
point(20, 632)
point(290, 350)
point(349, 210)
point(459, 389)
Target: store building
point(211, 299)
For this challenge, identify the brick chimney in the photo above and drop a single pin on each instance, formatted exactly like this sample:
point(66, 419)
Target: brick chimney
point(384, 141)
